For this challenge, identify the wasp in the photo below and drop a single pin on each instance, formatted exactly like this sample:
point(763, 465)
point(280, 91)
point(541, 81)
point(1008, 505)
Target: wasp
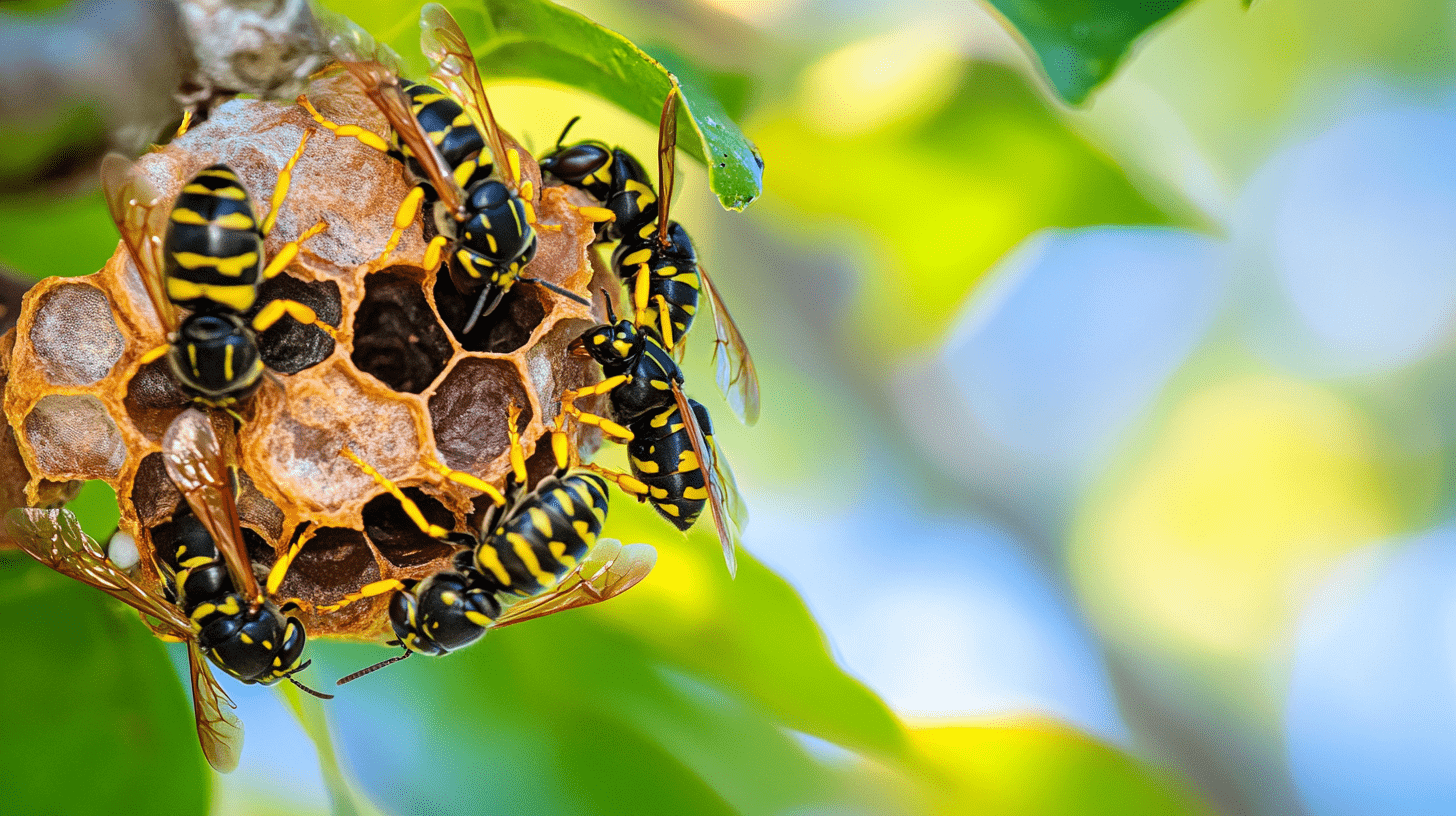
point(534, 555)
point(676, 466)
point(211, 599)
point(451, 146)
point(204, 253)
point(656, 254)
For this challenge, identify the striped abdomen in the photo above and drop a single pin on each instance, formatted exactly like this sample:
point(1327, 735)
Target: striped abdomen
point(672, 270)
point(455, 136)
point(662, 456)
point(213, 248)
point(545, 535)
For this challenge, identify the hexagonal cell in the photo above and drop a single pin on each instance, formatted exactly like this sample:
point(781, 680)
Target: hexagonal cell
point(397, 337)
point(334, 562)
point(502, 331)
point(288, 346)
point(74, 334)
point(74, 436)
point(466, 412)
point(399, 539)
point(153, 399)
point(153, 494)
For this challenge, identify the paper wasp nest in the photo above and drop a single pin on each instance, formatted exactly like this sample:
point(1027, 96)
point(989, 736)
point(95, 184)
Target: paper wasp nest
point(398, 386)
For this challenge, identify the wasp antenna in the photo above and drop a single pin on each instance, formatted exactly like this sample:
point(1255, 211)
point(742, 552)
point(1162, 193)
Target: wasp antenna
point(376, 667)
point(481, 310)
point(294, 681)
point(566, 293)
point(566, 130)
point(607, 298)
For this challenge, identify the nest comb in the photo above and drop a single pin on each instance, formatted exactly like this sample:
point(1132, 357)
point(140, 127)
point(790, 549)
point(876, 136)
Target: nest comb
point(398, 386)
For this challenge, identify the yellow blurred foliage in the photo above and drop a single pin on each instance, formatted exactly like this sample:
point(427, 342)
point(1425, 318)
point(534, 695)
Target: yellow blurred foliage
point(1212, 538)
point(1039, 768)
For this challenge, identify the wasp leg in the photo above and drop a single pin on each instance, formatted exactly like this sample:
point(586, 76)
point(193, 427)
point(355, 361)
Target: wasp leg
point(596, 215)
point(410, 508)
point(276, 309)
point(665, 319)
point(568, 408)
point(286, 253)
point(367, 591)
point(285, 179)
point(629, 484)
point(366, 137)
point(640, 293)
point(186, 123)
point(403, 218)
point(154, 354)
point(435, 252)
point(280, 569)
point(470, 480)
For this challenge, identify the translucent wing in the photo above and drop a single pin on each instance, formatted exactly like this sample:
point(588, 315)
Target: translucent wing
point(201, 468)
point(141, 217)
point(376, 68)
point(733, 366)
point(54, 538)
point(729, 511)
point(454, 67)
point(218, 729)
point(606, 572)
point(666, 161)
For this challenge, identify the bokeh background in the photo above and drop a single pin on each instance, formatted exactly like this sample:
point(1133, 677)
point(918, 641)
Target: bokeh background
point(1103, 468)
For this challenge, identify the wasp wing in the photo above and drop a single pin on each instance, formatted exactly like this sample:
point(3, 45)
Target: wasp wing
point(55, 538)
point(454, 66)
point(733, 366)
point(141, 217)
point(218, 729)
point(729, 511)
point(202, 468)
point(376, 68)
point(666, 161)
point(606, 572)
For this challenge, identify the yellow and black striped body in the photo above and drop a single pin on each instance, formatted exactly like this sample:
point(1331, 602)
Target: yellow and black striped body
point(255, 646)
point(613, 177)
point(214, 262)
point(672, 271)
point(529, 547)
point(495, 241)
point(544, 535)
point(662, 457)
point(661, 451)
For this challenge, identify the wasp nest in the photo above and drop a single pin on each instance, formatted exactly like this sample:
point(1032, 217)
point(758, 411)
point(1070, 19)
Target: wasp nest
point(400, 385)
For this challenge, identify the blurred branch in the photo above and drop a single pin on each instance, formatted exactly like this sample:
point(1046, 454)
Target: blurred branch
point(96, 73)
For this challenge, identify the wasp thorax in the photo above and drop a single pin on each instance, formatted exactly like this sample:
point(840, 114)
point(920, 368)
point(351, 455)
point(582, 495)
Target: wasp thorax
point(395, 385)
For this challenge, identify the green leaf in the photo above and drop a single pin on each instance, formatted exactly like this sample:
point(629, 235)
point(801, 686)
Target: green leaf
point(96, 719)
point(532, 39)
point(942, 195)
point(1081, 42)
point(691, 680)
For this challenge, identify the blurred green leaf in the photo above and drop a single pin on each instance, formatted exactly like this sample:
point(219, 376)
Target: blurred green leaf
point(1081, 42)
point(1043, 769)
point(66, 236)
point(691, 680)
point(533, 39)
point(96, 719)
point(946, 193)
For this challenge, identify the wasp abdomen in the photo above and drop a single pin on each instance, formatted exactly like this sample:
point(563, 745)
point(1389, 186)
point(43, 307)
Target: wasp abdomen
point(662, 457)
point(545, 535)
point(213, 247)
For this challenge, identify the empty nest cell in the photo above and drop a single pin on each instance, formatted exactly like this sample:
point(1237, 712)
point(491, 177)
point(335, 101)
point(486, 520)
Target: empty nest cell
point(397, 337)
